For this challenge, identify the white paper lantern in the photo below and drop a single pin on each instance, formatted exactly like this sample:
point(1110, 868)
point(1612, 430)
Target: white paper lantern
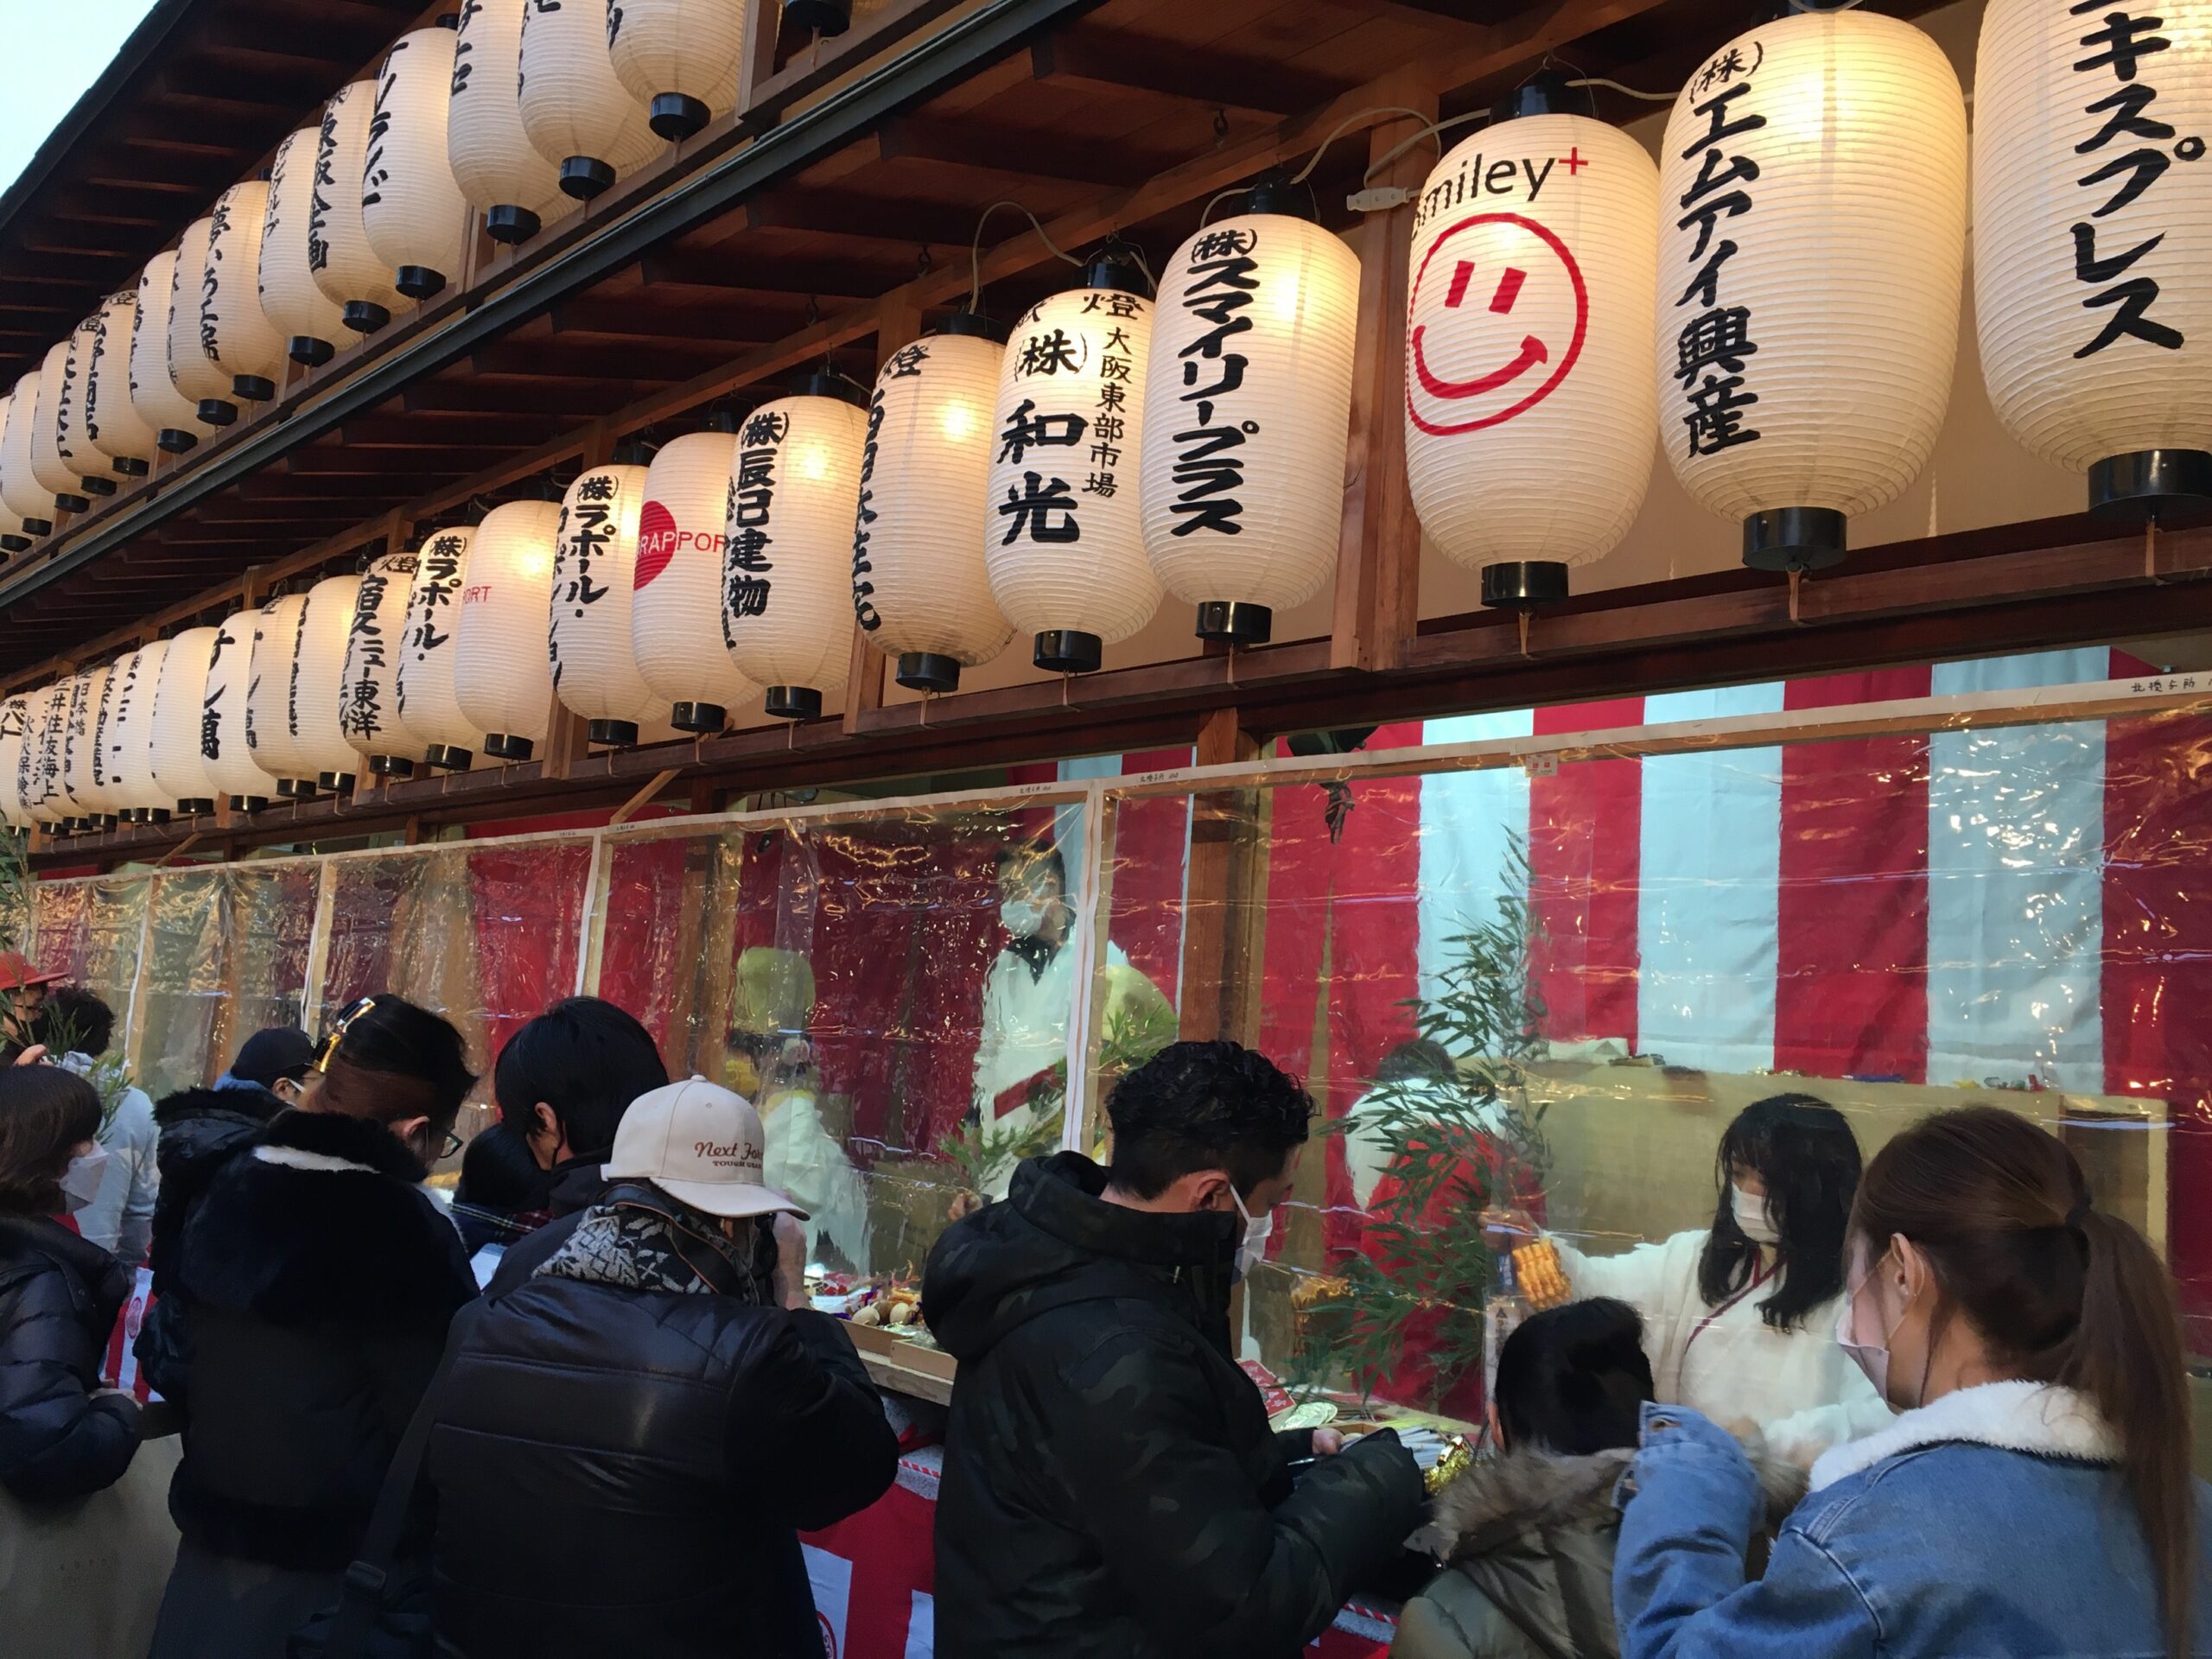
point(1064, 542)
point(786, 592)
point(1811, 257)
point(192, 368)
point(81, 746)
point(369, 711)
point(72, 443)
point(1531, 415)
point(317, 704)
point(676, 605)
point(112, 422)
point(1247, 415)
point(240, 338)
point(418, 221)
point(128, 735)
point(682, 58)
point(575, 111)
point(174, 416)
point(31, 501)
point(48, 466)
point(294, 304)
point(180, 771)
point(501, 675)
point(920, 590)
point(595, 574)
point(15, 714)
point(344, 267)
point(2092, 239)
point(493, 161)
point(108, 702)
point(427, 704)
point(223, 746)
point(268, 732)
point(41, 775)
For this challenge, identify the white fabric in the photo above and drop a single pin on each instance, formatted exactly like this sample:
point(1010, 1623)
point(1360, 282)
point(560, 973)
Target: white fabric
point(2035, 1417)
point(1797, 1386)
point(320, 1163)
point(804, 1160)
point(120, 1217)
point(1367, 1152)
point(1025, 1026)
point(1468, 821)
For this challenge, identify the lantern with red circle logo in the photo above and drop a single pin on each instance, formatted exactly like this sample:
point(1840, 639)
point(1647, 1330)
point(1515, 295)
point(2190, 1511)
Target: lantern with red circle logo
point(676, 612)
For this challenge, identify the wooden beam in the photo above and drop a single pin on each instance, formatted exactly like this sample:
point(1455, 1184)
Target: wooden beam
point(1222, 882)
point(1087, 58)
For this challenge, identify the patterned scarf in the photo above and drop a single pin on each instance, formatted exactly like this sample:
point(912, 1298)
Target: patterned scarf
point(633, 1248)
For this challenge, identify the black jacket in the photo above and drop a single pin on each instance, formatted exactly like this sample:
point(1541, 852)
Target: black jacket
point(621, 1471)
point(320, 1278)
point(1111, 1486)
point(59, 1297)
point(577, 1185)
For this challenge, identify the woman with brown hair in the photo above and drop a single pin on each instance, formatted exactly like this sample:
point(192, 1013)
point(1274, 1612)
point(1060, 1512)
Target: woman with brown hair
point(2034, 1497)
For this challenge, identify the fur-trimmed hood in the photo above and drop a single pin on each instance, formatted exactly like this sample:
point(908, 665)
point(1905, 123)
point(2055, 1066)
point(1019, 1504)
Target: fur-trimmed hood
point(2040, 1419)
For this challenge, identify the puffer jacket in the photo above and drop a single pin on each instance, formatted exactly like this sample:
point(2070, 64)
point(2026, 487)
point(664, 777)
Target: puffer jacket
point(320, 1278)
point(1111, 1486)
point(59, 1297)
point(1528, 1538)
point(577, 1186)
point(622, 1471)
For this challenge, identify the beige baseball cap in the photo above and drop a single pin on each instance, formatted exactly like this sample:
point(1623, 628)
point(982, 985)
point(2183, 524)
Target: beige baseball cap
point(700, 1144)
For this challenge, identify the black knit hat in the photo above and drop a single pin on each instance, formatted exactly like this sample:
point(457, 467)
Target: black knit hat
point(276, 1052)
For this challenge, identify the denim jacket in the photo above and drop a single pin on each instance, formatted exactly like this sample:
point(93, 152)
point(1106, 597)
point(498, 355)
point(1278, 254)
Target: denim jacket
point(1992, 1522)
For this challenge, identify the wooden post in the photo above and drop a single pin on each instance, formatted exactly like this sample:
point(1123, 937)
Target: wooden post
point(898, 319)
point(1378, 556)
point(1222, 912)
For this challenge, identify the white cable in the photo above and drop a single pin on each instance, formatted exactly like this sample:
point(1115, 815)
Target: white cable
point(1614, 85)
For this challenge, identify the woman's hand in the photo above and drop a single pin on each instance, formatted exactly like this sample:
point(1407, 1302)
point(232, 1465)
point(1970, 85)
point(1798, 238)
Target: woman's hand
point(32, 1055)
point(790, 1262)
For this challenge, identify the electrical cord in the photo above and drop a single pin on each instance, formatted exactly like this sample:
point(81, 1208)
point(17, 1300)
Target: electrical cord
point(976, 250)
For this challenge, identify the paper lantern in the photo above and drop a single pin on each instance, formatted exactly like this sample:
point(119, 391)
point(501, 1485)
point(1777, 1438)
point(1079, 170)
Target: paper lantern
point(112, 422)
point(41, 775)
point(14, 535)
point(240, 338)
point(269, 731)
point(223, 746)
point(368, 715)
point(1531, 415)
point(493, 161)
point(417, 219)
point(501, 676)
point(15, 714)
point(594, 669)
point(290, 298)
point(427, 704)
point(1810, 262)
point(180, 771)
point(2092, 245)
point(1063, 541)
point(786, 592)
point(680, 58)
point(675, 605)
point(317, 706)
point(192, 369)
point(48, 393)
point(920, 590)
point(128, 735)
point(1247, 414)
point(575, 111)
point(344, 267)
point(79, 749)
point(78, 458)
point(174, 416)
point(29, 499)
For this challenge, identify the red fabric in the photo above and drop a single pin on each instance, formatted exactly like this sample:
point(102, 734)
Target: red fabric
point(1585, 830)
point(1151, 837)
point(644, 900)
point(1851, 994)
point(527, 902)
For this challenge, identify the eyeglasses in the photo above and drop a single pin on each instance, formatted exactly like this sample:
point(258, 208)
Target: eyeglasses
point(451, 1144)
point(326, 1049)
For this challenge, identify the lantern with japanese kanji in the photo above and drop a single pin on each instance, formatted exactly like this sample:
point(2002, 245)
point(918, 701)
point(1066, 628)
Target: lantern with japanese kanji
point(1248, 413)
point(223, 746)
point(1063, 540)
point(180, 770)
point(575, 109)
point(295, 306)
point(192, 369)
point(595, 667)
point(14, 718)
point(87, 465)
point(317, 707)
point(31, 501)
point(174, 416)
point(57, 797)
point(38, 774)
point(1812, 251)
point(127, 740)
point(344, 267)
point(80, 748)
point(920, 587)
point(493, 162)
point(49, 395)
point(501, 676)
point(112, 423)
point(418, 219)
point(368, 711)
point(682, 58)
point(2092, 238)
point(427, 704)
point(235, 331)
point(269, 731)
point(676, 608)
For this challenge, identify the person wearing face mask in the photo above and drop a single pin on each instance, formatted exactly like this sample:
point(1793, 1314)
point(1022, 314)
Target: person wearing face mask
point(317, 1278)
point(2033, 1497)
point(1736, 1316)
point(77, 1027)
point(1111, 1486)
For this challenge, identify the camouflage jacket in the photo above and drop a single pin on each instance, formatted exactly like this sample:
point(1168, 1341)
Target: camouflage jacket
point(1111, 1486)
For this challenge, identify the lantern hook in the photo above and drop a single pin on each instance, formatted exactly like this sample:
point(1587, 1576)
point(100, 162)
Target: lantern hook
point(1220, 127)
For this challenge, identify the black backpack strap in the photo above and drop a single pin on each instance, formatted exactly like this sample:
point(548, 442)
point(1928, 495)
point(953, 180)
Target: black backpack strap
point(361, 1598)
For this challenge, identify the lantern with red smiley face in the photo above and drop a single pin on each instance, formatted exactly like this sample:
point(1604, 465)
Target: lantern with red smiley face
point(1534, 286)
point(676, 606)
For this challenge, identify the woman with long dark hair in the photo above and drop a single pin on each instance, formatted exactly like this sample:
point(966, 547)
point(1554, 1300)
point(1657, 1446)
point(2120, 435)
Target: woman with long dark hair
point(2034, 1497)
point(1736, 1316)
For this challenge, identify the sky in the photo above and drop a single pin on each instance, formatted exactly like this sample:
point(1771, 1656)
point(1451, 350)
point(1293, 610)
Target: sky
point(50, 53)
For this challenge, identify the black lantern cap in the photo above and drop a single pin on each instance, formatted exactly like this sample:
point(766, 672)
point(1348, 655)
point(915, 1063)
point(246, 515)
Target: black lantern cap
point(390, 766)
point(1236, 621)
point(254, 388)
point(1068, 650)
point(447, 757)
point(1115, 266)
point(195, 806)
point(310, 350)
point(792, 703)
point(69, 503)
point(1794, 538)
point(130, 466)
point(216, 411)
point(720, 419)
point(175, 439)
point(249, 803)
point(505, 746)
point(363, 316)
point(700, 719)
point(44, 526)
point(822, 16)
point(510, 224)
point(335, 783)
point(13, 543)
point(636, 450)
point(1545, 93)
point(418, 282)
point(97, 485)
point(927, 670)
point(676, 116)
point(1523, 584)
point(828, 382)
point(974, 325)
point(613, 734)
point(150, 815)
point(296, 789)
point(2151, 486)
point(1276, 192)
point(585, 176)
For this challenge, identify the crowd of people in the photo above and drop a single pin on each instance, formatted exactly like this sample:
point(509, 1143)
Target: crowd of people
point(585, 1405)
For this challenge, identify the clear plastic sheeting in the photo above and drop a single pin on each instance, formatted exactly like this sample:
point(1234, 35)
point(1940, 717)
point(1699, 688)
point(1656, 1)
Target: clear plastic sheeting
point(91, 932)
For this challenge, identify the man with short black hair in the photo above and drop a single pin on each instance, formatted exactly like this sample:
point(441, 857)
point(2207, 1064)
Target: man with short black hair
point(1111, 1486)
point(77, 1027)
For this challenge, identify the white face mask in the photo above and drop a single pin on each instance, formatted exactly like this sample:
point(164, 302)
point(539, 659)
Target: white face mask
point(1754, 1220)
point(1023, 918)
point(1257, 1230)
point(1871, 1358)
point(80, 1182)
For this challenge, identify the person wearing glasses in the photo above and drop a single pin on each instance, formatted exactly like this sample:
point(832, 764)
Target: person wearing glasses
point(318, 1278)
